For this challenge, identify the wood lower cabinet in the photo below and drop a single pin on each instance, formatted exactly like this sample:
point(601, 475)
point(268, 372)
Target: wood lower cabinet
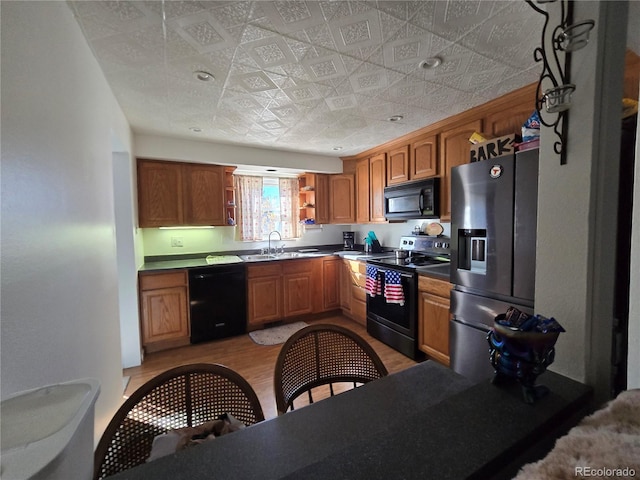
point(353, 297)
point(264, 291)
point(433, 318)
point(330, 283)
point(297, 287)
point(164, 308)
point(345, 287)
point(285, 289)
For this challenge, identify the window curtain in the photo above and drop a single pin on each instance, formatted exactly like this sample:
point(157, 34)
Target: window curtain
point(289, 207)
point(249, 207)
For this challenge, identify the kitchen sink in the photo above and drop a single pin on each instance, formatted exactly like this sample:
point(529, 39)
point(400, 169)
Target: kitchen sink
point(279, 256)
point(258, 257)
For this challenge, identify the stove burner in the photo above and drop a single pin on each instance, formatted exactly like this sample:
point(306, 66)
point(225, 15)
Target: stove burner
point(413, 261)
point(426, 250)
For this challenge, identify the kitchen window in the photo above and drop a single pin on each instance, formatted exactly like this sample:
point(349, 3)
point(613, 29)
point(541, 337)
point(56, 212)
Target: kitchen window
point(266, 204)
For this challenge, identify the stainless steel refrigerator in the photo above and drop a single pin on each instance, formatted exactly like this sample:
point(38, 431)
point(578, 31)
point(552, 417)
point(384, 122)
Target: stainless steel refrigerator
point(493, 252)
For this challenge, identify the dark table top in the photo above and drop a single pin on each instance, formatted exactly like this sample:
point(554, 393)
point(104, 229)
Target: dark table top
point(424, 422)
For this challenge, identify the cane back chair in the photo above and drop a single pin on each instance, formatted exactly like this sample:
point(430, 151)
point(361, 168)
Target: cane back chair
point(184, 396)
point(322, 354)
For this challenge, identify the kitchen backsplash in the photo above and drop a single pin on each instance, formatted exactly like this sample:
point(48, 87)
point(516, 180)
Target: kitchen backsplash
point(221, 239)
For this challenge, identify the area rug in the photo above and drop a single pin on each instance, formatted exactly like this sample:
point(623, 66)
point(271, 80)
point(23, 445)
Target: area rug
point(605, 444)
point(276, 335)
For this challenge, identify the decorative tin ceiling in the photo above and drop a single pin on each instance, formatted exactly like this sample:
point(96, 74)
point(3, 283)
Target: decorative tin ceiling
point(309, 76)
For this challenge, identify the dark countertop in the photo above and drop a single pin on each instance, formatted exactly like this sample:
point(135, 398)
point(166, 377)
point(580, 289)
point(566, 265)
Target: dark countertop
point(173, 262)
point(424, 422)
point(192, 261)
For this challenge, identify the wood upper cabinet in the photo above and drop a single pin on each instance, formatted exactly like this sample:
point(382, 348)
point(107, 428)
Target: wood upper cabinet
point(204, 195)
point(322, 198)
point(159, 194)
point(164, 308)
point(376, 187)
point(175, 194)
point(424, 157)
point(314, 197)
point(370, 183)
point(362, 192)
point(342, 198)
point(414, 161)
point(502, 118)
point(454, 151)
point(433, 318)
point(499, 124)
point(398, 165)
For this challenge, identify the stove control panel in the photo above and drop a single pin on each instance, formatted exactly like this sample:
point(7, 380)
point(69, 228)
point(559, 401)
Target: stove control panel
point(426, 244)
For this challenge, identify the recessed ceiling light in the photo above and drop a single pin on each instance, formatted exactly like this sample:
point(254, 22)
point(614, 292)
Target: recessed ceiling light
point(195, 129)
point(395, 118)
point(431, 62)
point(203, 76)
point(337, 149)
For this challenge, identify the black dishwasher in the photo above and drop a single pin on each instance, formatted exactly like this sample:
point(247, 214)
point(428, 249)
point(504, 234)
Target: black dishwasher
point(218, 301)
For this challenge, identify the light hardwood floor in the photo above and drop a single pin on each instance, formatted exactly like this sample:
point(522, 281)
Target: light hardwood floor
point(254, 362)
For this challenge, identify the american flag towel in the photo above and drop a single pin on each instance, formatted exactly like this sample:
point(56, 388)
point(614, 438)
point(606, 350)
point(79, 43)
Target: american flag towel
point(372, 286)
point(393, 287)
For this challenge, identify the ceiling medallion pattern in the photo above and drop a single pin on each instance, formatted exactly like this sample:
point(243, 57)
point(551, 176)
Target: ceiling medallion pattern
point(306, 75)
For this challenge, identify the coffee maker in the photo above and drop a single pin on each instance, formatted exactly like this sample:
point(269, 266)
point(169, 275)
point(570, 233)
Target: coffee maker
point(348, 240)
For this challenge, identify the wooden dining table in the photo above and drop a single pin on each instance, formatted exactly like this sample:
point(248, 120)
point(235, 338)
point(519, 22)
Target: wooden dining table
point(426, 422)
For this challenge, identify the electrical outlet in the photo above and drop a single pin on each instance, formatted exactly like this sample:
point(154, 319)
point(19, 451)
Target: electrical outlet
point(177, 242)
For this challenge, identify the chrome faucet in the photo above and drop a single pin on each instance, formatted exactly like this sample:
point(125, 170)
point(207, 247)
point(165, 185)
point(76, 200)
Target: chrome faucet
point(269, 248)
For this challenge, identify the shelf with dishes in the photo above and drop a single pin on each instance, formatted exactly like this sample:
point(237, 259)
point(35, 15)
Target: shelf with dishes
point(307, 198)
point(229, 196)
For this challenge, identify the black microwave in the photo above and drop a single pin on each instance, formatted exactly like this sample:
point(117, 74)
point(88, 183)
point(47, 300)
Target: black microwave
point(412, 200)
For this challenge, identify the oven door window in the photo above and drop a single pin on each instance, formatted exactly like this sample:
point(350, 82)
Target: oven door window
point(396, 316)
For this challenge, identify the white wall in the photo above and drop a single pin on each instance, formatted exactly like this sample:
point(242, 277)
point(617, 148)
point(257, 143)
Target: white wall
point(575, 256)
point(59, 274)
point(164, 148)
point(129, 257)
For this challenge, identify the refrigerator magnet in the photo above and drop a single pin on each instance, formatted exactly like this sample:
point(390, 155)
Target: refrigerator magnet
point(496, 171)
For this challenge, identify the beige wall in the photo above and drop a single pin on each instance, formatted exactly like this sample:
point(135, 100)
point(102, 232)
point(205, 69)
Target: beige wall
point(158, 241)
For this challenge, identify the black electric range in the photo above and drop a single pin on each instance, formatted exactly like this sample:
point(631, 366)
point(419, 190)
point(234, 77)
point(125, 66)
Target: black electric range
point(422, 250)
point(392, 305)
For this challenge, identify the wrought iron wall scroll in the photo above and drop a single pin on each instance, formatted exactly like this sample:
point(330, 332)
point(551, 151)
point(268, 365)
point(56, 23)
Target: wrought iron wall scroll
point(561, 40)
